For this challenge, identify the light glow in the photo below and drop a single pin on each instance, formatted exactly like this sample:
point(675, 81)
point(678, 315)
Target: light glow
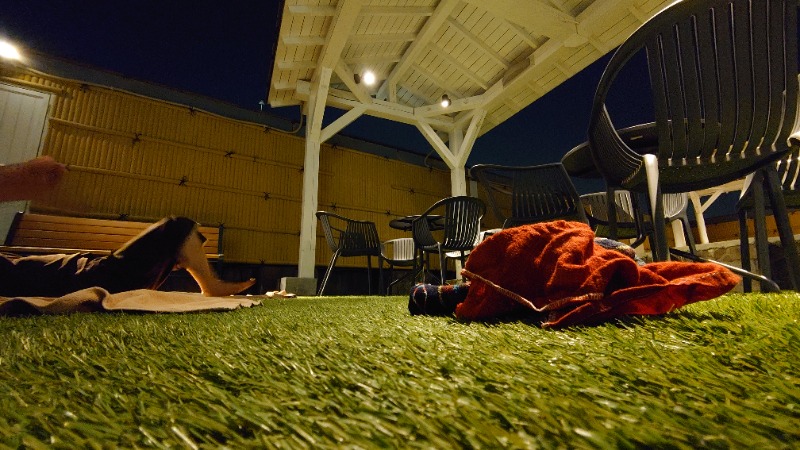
point(445, 101)
point(9, 51)
point(368, 78)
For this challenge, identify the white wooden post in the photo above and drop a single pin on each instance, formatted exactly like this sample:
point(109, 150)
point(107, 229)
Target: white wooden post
point(458, 176)
point(341, 27)
point(308, 221)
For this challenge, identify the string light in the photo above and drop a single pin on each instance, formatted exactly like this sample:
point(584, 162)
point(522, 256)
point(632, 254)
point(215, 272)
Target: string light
point(445, 101)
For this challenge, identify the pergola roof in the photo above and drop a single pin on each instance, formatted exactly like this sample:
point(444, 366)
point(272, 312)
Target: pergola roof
point(493, 56)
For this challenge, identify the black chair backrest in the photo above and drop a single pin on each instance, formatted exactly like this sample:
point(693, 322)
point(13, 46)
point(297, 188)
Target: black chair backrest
point(453, 223)
point(724, 81)
point(531, 193)
point(789, 171)
point(350, 237)
point(596, 207)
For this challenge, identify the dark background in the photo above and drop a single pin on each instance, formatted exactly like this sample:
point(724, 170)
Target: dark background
point(224, 50)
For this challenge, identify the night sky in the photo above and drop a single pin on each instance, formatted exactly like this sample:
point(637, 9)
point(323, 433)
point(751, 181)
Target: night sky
point(224, 50)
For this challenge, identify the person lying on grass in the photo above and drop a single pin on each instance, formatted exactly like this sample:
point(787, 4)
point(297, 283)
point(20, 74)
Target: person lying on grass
point(142, 263)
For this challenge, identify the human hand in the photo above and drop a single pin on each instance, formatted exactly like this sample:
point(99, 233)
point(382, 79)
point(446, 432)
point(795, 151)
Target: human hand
point(31, 179)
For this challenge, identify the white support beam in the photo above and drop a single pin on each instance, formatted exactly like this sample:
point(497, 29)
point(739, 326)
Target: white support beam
point(308, 223)
point(397, 11)
point(438, 144)
point(346, 75)
point(341, 25)
point(458, 181)
point(461, 104)
point(458, 175)
point(599, 11)
point(339, 124)
point(523, 34)
point(432, 25)
point(478, 42)
point(437, 81)
point(457, 105)
point(384, 37)
point(378, 108)
point(310, 10)
point(284, 85)
point(473, 131)
point(283, 102)
point(296, 65)
point(459, 66)
point(463, 118)
point(412, 96)
point(534, 15)
point(373, 59)
point(304, 40)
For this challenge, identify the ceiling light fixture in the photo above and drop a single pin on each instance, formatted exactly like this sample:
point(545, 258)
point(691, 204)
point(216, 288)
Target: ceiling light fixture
point(445, 101)
point(369, 78)
point(9, 51)
point(357, 78)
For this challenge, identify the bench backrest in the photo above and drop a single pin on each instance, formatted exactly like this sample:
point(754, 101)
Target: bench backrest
point(38, 233)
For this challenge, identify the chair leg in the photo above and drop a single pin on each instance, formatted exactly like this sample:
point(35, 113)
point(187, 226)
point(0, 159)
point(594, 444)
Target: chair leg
point(656, 200)
point(328, 273)
point(744, 249)
point(767, 284)
point(412, 274)
point(784, 228)
point(391, 275)
point(641, 229)
point(611, 202)
point(380, 274)
point(660, 248)
point(419, 265)
point(463, 263)
point(442, 265)
point(760, 226)
point(687, 230)
point(369, 275)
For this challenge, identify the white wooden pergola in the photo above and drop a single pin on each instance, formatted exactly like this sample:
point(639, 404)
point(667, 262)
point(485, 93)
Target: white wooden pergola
point(491, 58)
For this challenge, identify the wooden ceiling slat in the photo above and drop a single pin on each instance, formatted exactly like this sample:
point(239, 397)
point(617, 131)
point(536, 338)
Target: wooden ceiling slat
point(397, 10)
point(421, 49)
point(365, 38)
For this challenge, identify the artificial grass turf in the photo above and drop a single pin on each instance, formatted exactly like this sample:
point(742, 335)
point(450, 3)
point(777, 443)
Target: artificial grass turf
point(359, 372)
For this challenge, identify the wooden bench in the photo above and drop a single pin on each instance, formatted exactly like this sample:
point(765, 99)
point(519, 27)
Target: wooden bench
point(42, 234)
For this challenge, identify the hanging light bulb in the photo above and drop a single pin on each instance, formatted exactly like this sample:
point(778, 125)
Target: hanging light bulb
point(8, 51)
point(445, 101)
point(369, 78)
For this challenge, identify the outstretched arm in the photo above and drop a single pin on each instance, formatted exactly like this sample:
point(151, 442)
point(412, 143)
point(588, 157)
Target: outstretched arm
point(31, 179)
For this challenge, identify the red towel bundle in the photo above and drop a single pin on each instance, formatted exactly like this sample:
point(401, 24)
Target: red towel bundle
point(556, 267)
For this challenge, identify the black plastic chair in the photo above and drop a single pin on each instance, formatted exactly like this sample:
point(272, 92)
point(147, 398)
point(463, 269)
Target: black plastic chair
point(723, 76)
point(788, 169)
point(348, 237)
point(530, 194)
point(451, 224)
point(630, 222)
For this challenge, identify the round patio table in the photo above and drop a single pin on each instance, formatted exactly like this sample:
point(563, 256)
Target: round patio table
point(404, 223)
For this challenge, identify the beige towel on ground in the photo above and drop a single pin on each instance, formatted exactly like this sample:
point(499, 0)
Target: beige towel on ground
point(98, 299)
